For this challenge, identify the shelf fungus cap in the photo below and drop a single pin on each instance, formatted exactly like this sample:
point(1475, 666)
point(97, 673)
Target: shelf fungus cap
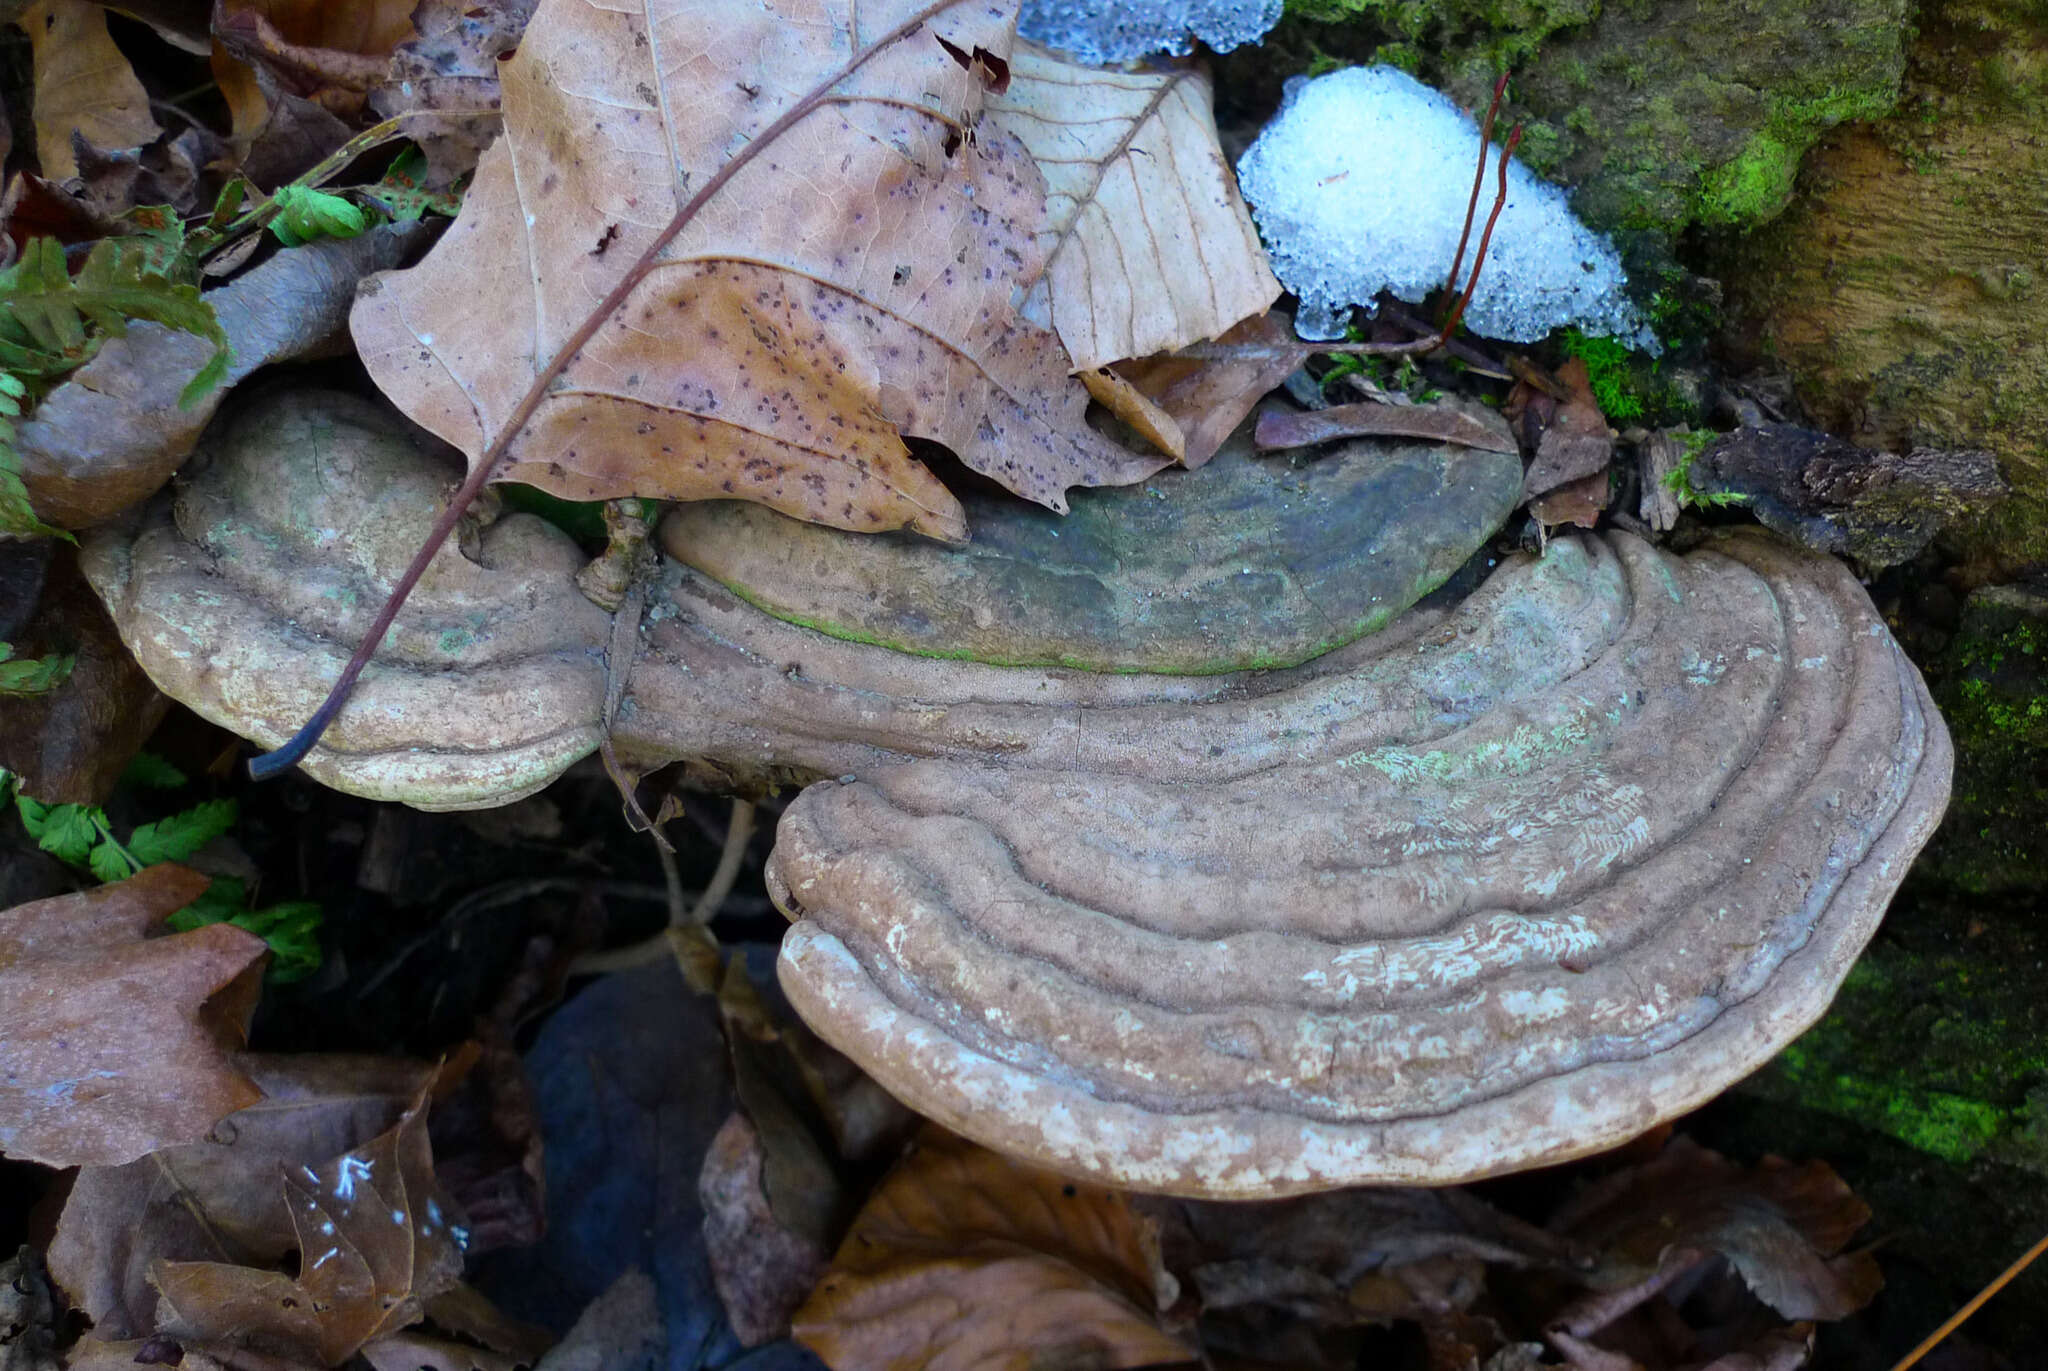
point(1504, 885)
point(244, 599)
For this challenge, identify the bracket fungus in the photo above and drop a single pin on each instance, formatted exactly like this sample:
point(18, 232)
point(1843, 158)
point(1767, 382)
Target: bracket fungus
point(244, 597)
point(1505, 882)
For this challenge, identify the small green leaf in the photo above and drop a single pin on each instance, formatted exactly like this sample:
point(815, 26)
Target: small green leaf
point(52, 323)
point(31, 675)
point(148, 771)
point(109, 862)
point(402, 193)
point(292, 929)
point(178, 837)
point(304, 214)
point(66, 832)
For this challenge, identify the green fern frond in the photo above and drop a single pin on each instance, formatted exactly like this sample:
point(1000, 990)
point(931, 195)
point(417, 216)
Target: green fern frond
point(51, 323)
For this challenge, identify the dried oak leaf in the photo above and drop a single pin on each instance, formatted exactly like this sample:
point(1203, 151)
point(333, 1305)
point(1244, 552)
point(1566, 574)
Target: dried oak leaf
point(1782, 1227)
point(85, 91)
point(114, 1043)
point(826, 289)
point(962, 1257)
point(375, 1243)
point(1146, 245)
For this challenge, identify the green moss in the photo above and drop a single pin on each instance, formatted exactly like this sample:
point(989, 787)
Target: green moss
point(1992, 685)
point(1750, 189)
point(1609, 369)
point(1945, 1052)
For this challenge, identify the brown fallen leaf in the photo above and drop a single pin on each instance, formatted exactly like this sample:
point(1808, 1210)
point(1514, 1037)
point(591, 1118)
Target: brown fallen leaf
point(1576, 443)
point(375, 1242)
point(813, 292)
point(115, 1043)
point(1444, 422)
point(1575, 502)
point(962, 1257)
point(1120, 397)
point(1781, 1227)
point(1146, 244)
point(1207, 400)
point(69, 745)
point(113, 433)
point(85, 91)
point(452, 64)
point(187, 1202)
point(762, 1267)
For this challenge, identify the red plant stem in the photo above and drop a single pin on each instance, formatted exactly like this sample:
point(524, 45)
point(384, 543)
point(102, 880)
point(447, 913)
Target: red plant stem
point(1478, 178)
point(1500, 201)
point(302, 742)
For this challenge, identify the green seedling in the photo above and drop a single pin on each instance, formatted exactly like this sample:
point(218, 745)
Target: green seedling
point(83, 836)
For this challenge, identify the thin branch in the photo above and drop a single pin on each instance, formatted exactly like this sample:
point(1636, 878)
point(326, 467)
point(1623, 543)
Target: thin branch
point(302, 742)
point(1955, 1320)
point(1500, 202)
point(1478, 179)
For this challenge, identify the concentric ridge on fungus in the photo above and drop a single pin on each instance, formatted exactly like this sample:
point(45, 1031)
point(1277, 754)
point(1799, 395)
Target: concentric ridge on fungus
point(1508, 886)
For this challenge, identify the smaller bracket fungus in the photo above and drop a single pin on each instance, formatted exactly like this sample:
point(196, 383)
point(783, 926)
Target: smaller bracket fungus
point(245, 599)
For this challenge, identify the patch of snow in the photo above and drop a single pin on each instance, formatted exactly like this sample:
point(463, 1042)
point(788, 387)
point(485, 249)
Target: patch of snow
point(1360, 184)
point(1106, 33)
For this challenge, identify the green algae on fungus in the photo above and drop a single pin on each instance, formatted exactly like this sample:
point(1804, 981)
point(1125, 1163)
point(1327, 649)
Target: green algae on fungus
point(1247, 564)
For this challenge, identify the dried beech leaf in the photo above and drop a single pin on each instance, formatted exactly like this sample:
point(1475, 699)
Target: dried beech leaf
point(1207, 399)
point(849, 282)
point(121, 1220)
point(84, 86)
point(114, 1043)
point(375, 1242)
point(1147, 245)
point(964, 1258)
point(1577, 443)
point(1442, 423)
point(1782, 1227)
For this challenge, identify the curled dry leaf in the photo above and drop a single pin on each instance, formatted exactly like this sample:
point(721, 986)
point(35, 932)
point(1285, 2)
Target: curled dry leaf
point(811, 293)
point(375, 1241)
point(114, 1043)
point(1206, 400)
point(69, 745)
point(85, 91)
point(965, 1258)
point(1577, 443)
point(451, 64)
point(113, 433)
point(1146, 244)
point(1444, 422)
point(1782, 1227)
point(201, 1200)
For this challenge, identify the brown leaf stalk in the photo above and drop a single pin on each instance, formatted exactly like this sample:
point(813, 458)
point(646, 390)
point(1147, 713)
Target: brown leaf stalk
point(302, 742)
